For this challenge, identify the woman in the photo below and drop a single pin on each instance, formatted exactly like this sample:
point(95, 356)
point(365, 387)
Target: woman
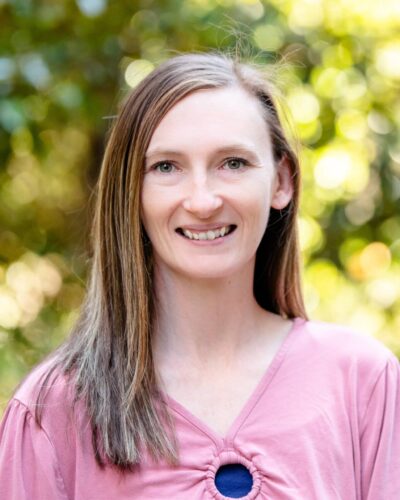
point(193, 372)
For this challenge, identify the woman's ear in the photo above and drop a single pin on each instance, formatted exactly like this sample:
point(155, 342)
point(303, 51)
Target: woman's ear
point(283, 186)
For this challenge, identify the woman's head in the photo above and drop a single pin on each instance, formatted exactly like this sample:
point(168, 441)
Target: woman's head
point(209, 170)
point(126, 250)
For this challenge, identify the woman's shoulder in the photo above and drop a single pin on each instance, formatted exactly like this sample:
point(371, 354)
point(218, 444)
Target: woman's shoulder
point(44, 383)
point(41, 428)
point(47, 397)
point(345, 346)
point(46, 400)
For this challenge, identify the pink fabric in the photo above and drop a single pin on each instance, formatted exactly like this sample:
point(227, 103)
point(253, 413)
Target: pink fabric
point(323, 424)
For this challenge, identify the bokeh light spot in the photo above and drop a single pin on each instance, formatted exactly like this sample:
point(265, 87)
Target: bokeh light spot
point(268, 37)
point(375, 258)
point(352, 124)
point(10, 313)
point(136, 71)
point(304, 106)
point(305, 14)
point(384, 291)
point(387, 60)
point(252, 8)
point(91, 8)
point(35, 70)
point(378, 123)
point(7, 68)
point(310, 234)
point(332, 168)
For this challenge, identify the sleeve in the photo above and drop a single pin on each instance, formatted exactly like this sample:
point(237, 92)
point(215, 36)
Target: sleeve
point(28, 465)
point(380, 438)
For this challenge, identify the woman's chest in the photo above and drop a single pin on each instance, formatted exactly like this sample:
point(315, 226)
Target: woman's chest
point(290, 454)
point(215, 401)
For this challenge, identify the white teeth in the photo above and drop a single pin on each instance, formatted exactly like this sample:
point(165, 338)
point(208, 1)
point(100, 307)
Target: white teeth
point(209, 235)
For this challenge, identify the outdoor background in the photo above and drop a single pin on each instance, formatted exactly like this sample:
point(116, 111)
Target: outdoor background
point(65, 65)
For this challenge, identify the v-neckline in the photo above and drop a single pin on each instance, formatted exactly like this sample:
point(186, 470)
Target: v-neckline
point(258, 391)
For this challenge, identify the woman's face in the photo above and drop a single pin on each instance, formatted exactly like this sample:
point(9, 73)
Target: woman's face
point(209, 183)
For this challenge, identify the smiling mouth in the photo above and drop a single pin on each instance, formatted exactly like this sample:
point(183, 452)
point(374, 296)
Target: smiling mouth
point(210, 234)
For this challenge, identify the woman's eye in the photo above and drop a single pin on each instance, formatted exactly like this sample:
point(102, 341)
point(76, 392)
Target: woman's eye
point(164, 167)
point(235, 163)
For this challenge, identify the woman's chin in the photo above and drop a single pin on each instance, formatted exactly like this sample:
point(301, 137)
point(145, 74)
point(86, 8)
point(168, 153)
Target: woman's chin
point(208, 274)
point(211, 271)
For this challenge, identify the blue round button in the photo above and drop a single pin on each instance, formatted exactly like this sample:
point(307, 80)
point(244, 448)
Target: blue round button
point(233, 480)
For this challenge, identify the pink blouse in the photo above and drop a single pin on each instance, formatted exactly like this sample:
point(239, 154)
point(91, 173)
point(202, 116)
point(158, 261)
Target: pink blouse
point(322, 424)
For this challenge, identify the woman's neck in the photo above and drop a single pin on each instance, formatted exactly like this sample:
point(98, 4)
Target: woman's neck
point(198, 319)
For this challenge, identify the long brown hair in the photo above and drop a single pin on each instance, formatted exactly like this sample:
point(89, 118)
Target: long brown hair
point(109, 355)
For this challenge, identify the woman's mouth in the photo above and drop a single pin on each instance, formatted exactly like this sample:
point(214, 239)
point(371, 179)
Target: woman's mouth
point(210, 234)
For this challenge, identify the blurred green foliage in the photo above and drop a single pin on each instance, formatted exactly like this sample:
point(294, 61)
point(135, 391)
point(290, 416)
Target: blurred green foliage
point(64, 66)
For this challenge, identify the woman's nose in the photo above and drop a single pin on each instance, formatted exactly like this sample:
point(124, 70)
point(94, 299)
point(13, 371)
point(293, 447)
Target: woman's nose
point(202, 200)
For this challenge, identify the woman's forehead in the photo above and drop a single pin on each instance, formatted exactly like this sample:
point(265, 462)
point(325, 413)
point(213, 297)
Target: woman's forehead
point(212, 117)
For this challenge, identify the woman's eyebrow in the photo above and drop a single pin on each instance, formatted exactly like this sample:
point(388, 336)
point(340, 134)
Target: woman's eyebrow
point(237, 149)
point(163, 152)
point(227, 149)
